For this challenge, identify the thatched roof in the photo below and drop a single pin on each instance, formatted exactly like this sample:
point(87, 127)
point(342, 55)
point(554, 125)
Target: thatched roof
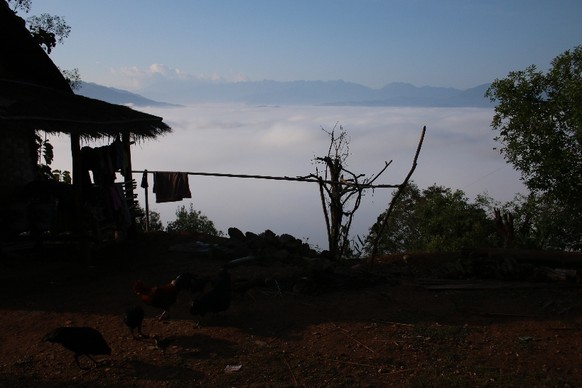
point(29, 106)
point(22, 58)
point(35, 95)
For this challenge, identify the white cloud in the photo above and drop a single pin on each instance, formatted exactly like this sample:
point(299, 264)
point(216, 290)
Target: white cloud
point(285, 135)
point(282, 141)
point(135, 77)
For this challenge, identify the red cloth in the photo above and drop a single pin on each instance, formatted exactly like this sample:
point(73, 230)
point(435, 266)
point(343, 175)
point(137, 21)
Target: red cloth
point(171, 186)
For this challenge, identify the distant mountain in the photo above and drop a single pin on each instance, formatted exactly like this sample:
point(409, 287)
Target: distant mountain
point(293, 93)
point(116, 96)
point(403, 94)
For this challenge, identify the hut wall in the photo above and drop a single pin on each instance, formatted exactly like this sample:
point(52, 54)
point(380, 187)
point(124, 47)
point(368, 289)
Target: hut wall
point(17, 168)
point(17, 160)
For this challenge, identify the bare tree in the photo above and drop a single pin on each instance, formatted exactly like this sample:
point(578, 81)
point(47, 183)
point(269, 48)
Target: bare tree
point(341, 191)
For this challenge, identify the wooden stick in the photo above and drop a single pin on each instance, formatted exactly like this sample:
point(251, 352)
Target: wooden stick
point(355, 340)
point(355, 363)
point(397, 323)
point(369, 365)
point(510, 315)
point(295, 383)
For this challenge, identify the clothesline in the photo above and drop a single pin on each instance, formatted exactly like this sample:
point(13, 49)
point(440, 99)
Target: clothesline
point(278, 178)
point(173, 186)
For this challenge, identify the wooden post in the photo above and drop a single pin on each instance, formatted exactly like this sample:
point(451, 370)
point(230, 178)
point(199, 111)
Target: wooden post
point(127, 175)
point(147, 201)
point(77, 165)
point(80, 231)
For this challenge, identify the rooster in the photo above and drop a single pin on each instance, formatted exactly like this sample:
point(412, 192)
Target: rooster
point(215, 298)
point(162, 297)
point(81, 341)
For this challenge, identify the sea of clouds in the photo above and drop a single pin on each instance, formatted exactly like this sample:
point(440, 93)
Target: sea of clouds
point(458, 152)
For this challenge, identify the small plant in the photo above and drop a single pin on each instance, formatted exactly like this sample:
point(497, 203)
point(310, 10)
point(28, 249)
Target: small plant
point(192, 221)
point(62, 176)
point(44, 158)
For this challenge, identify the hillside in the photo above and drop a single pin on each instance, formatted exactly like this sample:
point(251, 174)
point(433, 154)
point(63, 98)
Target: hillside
point(117, 96)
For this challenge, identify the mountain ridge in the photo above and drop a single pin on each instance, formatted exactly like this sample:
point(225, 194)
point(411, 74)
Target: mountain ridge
point(325, 93)
point(117, 96)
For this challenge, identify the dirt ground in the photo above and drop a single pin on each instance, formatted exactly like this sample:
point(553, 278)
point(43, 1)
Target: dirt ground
point(376, 325)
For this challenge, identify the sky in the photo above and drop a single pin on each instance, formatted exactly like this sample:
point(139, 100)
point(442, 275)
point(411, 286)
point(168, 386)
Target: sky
point(454, 43)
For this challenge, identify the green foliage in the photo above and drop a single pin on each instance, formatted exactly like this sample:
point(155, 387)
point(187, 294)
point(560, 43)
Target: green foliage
point(539, 124)
point(192, 221)
point(73, 78)
point(44, 150)
point(48, 30)
point(140, 220)
point(439, 219)
point(20, 4)
point(45, 156)
point(62, 176)
point(436, 219)
point(543, 223)
point(155, 222)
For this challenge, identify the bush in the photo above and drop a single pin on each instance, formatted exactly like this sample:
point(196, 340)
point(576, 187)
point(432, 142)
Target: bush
point(192, 221)
point(155, 220)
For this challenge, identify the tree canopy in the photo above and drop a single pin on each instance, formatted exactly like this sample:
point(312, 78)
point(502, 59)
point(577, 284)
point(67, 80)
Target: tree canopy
point(436, 219)
point(48, 31)
point(538, 117)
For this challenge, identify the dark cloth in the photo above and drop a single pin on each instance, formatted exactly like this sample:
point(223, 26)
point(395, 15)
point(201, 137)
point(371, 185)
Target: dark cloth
point(103, 162)
point(171, 186)
point(144, 180)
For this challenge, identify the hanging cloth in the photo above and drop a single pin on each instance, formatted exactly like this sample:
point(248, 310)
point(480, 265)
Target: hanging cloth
point(144, 180)
point(171, 186)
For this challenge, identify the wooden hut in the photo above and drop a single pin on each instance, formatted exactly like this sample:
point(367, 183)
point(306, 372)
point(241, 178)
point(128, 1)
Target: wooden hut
point(34, 96)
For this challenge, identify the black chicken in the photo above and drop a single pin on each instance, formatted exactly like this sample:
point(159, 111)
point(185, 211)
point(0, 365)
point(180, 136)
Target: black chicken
point(81, 341)
point(133, 319)
point(214, 299)
point(194, 283)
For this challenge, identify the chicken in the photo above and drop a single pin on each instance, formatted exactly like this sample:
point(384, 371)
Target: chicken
point(215, 299)
point(162, 297)
point(81, 341)
point(133, 319)
point(194, 283)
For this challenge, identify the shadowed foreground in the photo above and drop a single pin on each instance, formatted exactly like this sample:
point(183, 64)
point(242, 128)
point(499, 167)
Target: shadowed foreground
point(383, 324)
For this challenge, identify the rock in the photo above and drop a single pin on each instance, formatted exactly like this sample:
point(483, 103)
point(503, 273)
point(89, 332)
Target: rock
point(236, 234)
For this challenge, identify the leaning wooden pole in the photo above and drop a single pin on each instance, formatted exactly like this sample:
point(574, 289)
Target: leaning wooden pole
point(388, 212)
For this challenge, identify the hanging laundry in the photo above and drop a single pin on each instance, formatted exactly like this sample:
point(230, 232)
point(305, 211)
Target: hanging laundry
point(171, 186)
point(144, 180)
